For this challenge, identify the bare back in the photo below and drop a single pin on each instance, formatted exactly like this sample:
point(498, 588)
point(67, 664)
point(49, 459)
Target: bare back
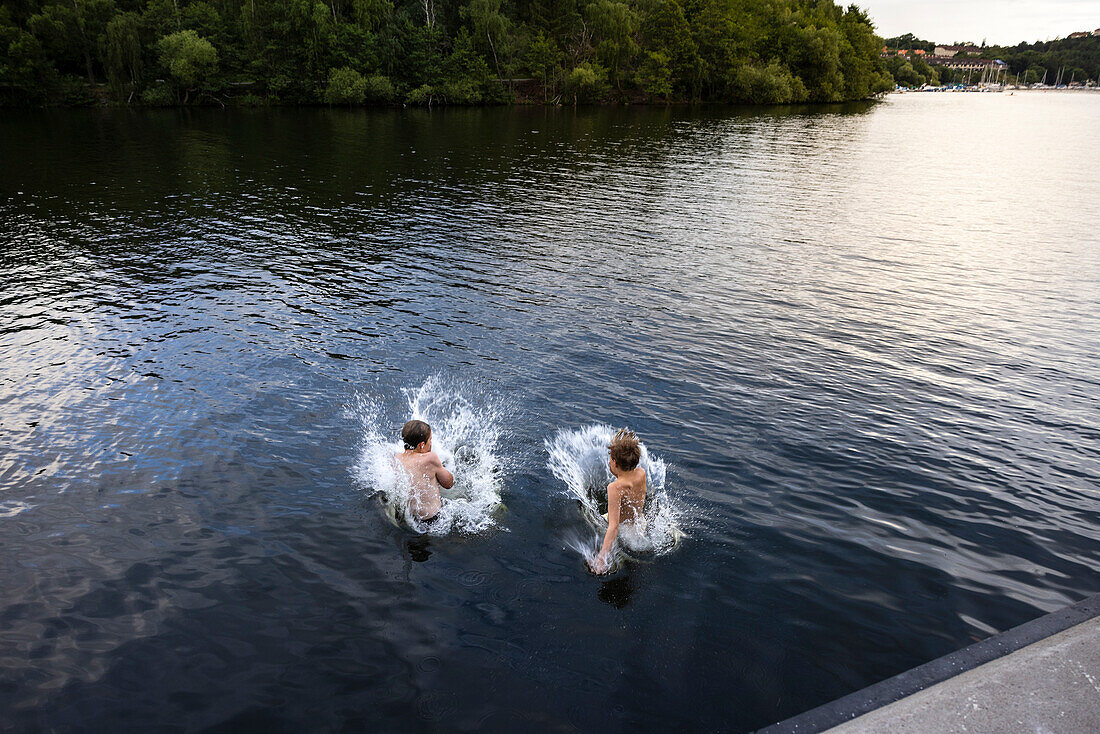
point(422, 469)
point(631, 486)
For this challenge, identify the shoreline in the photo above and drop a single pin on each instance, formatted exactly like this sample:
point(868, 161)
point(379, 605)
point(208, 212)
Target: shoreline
point(680, 104)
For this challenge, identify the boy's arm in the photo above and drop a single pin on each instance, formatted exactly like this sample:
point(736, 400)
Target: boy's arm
point(614, 506)
point(444, 477)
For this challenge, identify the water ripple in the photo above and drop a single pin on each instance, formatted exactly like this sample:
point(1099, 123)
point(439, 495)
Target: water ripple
point(870, 364)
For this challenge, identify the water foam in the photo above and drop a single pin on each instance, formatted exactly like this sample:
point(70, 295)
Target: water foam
point(579, 459)
point(464, 435)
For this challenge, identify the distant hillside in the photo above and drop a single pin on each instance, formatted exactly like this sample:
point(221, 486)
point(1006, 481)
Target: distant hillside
point(1078, 59)
point(1079, 56)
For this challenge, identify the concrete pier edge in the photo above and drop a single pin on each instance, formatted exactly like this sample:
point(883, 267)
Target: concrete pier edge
point(936, 671)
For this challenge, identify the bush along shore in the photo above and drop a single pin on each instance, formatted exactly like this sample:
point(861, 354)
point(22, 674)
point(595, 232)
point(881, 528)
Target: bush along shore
point(431, 52)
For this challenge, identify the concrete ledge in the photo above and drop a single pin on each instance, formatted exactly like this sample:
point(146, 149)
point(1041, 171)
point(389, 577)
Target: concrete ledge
point(891, 690)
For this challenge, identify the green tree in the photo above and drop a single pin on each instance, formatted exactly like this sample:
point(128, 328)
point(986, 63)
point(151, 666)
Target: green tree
point(122, 56)
point(559, 20)
point(924, 70)
point(654, 76)
point(587, 83)
point(203, 18)
point(770, 84)
point(722, 45)
point(379, 88)
point(345, 86)
point(904, 73)
point(614, 25)
point(424, 57)
point(544, 60)
point(189, 58)
point(25, 66)
point(489, 26)
point(864, 74)
point(72, 30)
point(423, 96)
point(371, 14)
point(162, 17)
point(815, 58)
point(665, 30)
point(466, 75)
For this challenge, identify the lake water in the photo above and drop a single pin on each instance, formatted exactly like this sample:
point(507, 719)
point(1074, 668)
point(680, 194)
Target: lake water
point(863, 341)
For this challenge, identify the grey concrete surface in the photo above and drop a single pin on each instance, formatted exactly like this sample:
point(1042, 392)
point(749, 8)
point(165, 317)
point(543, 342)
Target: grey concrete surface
point(1049, 687)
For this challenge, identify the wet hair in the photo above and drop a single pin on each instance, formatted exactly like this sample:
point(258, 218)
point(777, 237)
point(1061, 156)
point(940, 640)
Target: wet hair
point(415, 433)
point(625, 449)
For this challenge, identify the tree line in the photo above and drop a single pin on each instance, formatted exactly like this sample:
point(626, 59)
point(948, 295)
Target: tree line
point(254, 52)
point(1078, 58)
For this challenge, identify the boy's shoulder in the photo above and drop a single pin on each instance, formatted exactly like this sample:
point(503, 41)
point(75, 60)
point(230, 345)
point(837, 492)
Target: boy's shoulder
point(619, 484)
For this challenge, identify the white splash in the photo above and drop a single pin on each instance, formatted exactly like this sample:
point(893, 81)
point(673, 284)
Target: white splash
point(465, 437)
point(579, 458)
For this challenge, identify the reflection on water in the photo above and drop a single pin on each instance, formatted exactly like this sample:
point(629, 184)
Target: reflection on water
point(617, 592)
point(863, 339)
point(419, 548)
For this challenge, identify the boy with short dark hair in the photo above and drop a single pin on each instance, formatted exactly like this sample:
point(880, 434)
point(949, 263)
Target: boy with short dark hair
point(625, 495)
point(424, 469)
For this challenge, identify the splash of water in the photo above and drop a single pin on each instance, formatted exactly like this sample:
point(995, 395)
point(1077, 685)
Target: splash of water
point(464, 435)
point(579, 459)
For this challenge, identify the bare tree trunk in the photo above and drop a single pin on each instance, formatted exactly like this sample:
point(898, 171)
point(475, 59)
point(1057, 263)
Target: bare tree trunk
point(88, 62)
point(493, 48)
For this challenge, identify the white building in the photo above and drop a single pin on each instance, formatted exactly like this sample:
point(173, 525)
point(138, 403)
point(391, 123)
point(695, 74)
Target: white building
point(949, 51)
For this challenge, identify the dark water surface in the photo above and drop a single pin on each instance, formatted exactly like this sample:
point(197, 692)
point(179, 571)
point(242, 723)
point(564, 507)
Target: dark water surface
point(866, 341)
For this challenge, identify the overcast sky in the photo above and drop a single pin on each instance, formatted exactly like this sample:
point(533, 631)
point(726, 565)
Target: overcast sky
point(1003, 22)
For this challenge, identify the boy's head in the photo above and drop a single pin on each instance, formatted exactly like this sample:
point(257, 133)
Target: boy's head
point(625, 450)
point(415, 433)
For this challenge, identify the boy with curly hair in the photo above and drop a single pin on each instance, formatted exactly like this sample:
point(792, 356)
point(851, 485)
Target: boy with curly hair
point(625, 495)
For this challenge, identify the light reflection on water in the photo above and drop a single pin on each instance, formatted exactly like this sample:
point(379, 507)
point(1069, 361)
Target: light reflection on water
point(863, 338)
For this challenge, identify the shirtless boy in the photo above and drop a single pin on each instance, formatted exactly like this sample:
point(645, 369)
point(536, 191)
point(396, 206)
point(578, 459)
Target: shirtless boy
point(425, 470)
point(625, 495)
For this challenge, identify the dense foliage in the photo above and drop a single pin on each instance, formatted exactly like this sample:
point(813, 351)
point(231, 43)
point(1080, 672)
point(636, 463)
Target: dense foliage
point(1077, 58)
point(163, 52)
